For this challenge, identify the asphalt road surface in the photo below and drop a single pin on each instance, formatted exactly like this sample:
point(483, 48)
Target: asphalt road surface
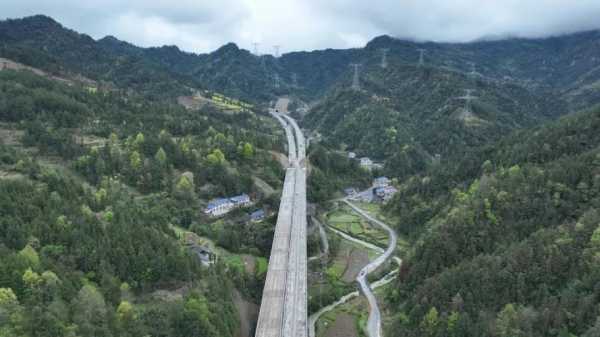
point(312, 320)
point(374, 321)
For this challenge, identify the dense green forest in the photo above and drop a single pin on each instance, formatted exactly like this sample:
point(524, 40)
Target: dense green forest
point(508, 238)
point(101, 172)
point(91, 191)
point(408, 114)
point(331, 172)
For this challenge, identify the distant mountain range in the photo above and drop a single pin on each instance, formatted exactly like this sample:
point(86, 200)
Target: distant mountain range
point(567, 64)
point(517, 82)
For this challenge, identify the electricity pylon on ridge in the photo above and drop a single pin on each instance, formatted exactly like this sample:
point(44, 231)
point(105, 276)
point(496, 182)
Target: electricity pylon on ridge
point(421, 56)
point(384, 62)
point(468, 98)
point(256, 44)
point(355, 78)
point(262, 63)
point(276, 49)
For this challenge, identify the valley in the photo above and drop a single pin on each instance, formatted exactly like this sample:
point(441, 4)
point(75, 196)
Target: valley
point(150, 191)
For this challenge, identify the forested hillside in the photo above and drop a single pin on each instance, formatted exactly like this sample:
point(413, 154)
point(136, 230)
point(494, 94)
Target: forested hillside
point(93, 183)
point(408, 114)
point(565, 65)
point(104, 177)
point(508, 238)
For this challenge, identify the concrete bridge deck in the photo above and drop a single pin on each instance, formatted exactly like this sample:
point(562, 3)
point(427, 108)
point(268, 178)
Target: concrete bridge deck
point(283, 310)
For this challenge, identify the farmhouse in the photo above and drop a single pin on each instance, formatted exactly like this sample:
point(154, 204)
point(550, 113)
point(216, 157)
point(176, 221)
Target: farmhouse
point(381, 182)
point(257, 216)
point(221, 206)
point(385, 193)
point(366, 162)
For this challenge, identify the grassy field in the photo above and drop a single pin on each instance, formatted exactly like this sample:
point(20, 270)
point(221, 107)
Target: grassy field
point(369, 233)
point(347, 221)
point(262, 264)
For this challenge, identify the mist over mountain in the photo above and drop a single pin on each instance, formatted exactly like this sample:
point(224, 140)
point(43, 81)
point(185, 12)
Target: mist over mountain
point(112, 154)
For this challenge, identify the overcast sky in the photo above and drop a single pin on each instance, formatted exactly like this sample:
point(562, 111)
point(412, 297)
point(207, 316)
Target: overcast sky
point(204, 25)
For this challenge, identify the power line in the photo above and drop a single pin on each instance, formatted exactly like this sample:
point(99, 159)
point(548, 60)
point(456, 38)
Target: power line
point(384, 62)
point(355, 78)
point(421, 57)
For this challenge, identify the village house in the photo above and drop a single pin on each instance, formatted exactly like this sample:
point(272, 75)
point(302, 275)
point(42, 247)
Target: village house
point(257, 216)
point(385, 193)
point(366, 162)
point(381, 182)
point(221, 206)
point(218, 207)
point(351, 155)
point(350, 191)
point(376, 166)
point(241, 200)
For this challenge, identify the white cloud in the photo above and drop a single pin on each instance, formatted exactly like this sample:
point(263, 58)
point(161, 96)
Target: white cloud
point(202, 25)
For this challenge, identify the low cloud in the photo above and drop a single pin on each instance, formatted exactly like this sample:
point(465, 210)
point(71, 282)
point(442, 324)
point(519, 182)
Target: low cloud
point(202, 26)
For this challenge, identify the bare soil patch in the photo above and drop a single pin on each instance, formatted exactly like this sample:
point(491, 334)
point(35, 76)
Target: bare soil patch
point(262, 185)
point(9, 136)
point(248, 314)
point(91, 141)
point(12, 65)
point(170, 295)
point(10, 175)
point(249, 263)
point(343, 326)
point(282, 105)
point(68, 79)
point(190, 102)
point(281, 158)
point(357, 259)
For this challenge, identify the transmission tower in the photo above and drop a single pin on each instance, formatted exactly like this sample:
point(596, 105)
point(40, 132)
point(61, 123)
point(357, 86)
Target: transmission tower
point(421, 57)
point(276, 48)
point(256, 44)
point(384, 62)
point(276, 79)
point(294, 80)
point(355, 78)
point(468, 98)
point(473, 72)
point(262, 63)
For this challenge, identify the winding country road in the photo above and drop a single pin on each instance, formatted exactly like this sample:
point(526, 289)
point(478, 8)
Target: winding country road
point(374, 321)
